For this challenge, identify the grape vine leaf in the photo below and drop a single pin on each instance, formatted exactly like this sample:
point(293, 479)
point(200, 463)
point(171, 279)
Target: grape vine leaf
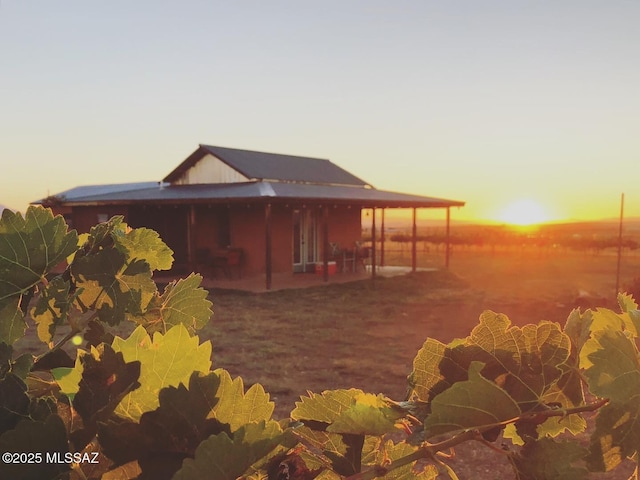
point(435, 368)
point(30, 247)
point(548, 459)
point(235, 407)
point(112, 284)
point(68, 378)
point(14, 401)
point(166, 360)
point(48, 438)
point(12, 324)
point(341, 453)
point(612, 369)
point(183, 302)
point(106, 379)
point(387, 452)
point(168, 434)
point(52, 308)
point(473, 403)
point(525, 360)
point(144, 244)
point(221, 457)
point(627, 302)
point(348, 412)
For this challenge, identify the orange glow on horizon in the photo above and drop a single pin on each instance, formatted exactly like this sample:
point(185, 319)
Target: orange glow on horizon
point(525, 212)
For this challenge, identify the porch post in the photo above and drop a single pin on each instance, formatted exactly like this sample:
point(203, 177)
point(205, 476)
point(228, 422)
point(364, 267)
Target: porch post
point(267, 245)
point(414, 241)
point(448, 244)
point(373, 242)
point(191, 221)
point(382, 235)
point(325, 243)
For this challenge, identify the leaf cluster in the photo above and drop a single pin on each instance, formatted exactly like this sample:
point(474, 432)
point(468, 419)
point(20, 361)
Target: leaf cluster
point(147, 402)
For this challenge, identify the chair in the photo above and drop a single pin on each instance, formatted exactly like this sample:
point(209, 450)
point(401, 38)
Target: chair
point(362, 255)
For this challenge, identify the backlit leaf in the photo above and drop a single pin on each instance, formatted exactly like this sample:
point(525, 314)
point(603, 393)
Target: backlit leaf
point(626, 302)
point(389, 452)
point(222, 458)
point(168, 434)
point(166, 360)
point(183, 302)
point(612, 369)
point(235, 407)
point(349, 412)
point(31, 247)
point(145, 244)
point(112, 285)
point(435, 368)
point(52, 308)
point(473, 403)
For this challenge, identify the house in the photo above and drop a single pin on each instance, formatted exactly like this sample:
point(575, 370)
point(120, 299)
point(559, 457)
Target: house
point(283, 213)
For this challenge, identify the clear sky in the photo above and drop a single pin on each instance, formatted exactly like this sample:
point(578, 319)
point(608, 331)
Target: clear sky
point(489, 102)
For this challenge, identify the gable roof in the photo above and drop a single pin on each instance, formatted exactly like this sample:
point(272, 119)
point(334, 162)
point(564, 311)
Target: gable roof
point(271, 166)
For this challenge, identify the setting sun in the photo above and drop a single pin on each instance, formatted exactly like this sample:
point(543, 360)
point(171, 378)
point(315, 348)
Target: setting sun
point(524, 213)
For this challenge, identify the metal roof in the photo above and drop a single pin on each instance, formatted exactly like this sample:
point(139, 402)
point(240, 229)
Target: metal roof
point(256, 191)
point(271, 166)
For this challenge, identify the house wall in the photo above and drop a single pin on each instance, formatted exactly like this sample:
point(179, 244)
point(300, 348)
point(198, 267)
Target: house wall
point(83, 218)
point(210, 169)
point(345, 226)
point(219, 226)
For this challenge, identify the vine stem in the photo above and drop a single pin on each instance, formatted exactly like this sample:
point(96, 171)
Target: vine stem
point(429, 450)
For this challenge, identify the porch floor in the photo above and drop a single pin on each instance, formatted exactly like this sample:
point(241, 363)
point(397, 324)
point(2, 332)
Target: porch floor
point(282, 281)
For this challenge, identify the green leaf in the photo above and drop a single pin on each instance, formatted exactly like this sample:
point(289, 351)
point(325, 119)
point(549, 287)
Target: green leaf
point(612, 369)
point(221, 457)
point(611, 364)
point(12, 324)
point(52, 308)
point(145, 244)
point(436, 367)
point(106, 379)
point(237, 408)
point(30, 247)
point(112, 285)
point(168, 434)
point(547, 459)
point(390, 452)
point(526, 361)
point(48, 437)
point(627, 302)
point(473, 403)
point(14, 401)
point(183, 302)
point(166, 360)
point(68, 379)
point(578, 328)
point(349, 412)
point(341, 453)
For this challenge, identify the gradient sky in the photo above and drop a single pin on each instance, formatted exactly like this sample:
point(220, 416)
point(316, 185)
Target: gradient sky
point(483, 101)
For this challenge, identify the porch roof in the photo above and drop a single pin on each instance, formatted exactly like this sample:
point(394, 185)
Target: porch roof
point(253, 192)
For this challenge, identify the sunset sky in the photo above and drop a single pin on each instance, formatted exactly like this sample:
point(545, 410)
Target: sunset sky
point(490, 102)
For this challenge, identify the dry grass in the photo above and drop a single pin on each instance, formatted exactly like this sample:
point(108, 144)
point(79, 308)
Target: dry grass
point(365, 334)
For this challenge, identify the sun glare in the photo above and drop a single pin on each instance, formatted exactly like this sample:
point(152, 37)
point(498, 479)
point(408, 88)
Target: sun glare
point(524, 213)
